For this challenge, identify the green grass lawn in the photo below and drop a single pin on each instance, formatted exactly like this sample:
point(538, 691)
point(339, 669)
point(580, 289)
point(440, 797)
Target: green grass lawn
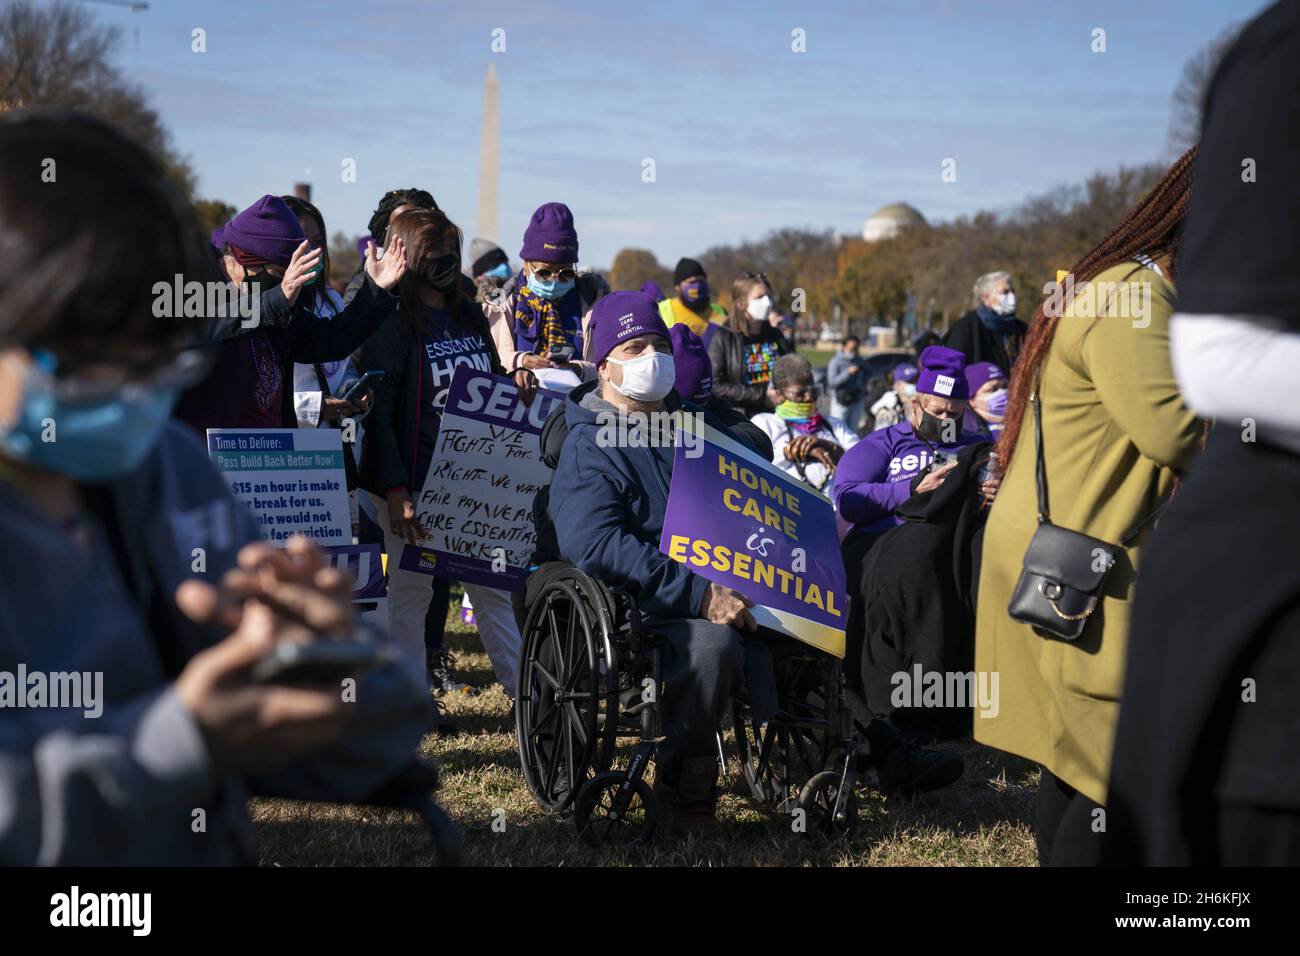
point(982, 820)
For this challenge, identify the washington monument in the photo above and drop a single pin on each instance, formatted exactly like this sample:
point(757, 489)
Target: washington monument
point(487, 163)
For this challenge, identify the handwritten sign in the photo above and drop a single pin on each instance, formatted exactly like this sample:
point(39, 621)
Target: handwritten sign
point(290, 478)
point(478, 495)
point(741, 522)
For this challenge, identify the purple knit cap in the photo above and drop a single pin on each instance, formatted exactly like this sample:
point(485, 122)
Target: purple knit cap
point(691, 360)
point(905, 373)
point(651, 288)
point(362, 243)
point(550, 236)
point(218, 238)
point(267, 229)
point(943, 373)
point(980, 373)
point(620, 316)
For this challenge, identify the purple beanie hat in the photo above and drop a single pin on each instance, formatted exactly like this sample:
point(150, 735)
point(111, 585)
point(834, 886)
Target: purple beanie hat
point(980, 373)
point(905, 373)
point(362, 242)
point(651, 288)
point(268, 229)
point(691, 360)
point(620, 316)
point(218, 238)
point(943, 373)
point(550, 236)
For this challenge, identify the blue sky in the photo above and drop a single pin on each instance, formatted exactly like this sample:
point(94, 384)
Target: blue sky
point(746, 135)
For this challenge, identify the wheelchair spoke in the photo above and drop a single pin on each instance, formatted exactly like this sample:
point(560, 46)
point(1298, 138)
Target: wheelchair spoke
point(575, 721)
point(561, 664)
point(546, 675)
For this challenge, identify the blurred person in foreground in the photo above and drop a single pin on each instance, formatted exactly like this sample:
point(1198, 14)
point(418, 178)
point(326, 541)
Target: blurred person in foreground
point(1205, 770)
point(116, 508)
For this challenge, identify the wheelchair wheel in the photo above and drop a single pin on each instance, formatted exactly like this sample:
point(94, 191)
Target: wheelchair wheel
point(566, 707)
point(817, 800)
point(598, 821)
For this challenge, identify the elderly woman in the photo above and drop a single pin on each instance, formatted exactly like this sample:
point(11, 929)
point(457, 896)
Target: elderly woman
point(989, 332)
point(987, 385)
point(540, 318)
point(804, 442)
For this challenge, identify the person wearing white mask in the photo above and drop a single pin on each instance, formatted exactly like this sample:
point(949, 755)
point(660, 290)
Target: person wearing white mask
point(608, 502)
point(891, 408)
point(743, 350)
point(990, 332)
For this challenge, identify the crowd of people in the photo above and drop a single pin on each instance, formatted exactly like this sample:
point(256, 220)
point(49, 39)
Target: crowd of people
point(995, 502)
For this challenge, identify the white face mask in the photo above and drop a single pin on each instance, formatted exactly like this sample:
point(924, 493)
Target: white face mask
point(909, 390)
point(1006, 304)
point(646, 378)
point(759, 308)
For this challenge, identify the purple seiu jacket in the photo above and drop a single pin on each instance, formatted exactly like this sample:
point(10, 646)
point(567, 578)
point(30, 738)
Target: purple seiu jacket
point(875, 476)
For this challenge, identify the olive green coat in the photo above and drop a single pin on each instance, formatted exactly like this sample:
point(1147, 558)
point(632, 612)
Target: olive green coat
point(1114, 428)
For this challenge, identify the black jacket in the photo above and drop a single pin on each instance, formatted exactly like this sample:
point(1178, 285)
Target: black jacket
point(727, 350)
point(969, 335)
point(916, 597)
point(390, 453)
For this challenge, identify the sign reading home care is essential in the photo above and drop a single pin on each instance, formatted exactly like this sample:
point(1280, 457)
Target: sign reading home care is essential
point(486, 470)
point(741, 522)
point(290, 478)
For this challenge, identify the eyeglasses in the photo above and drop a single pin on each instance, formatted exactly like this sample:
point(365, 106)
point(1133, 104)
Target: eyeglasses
point(564, 275)
point(85, 376)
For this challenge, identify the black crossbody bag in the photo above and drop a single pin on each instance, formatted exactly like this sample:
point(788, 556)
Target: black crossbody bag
point(1060, 584)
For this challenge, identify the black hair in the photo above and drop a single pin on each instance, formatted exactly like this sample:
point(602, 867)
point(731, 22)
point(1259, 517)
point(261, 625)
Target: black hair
point(304, 209)
point(90, 223)
point(418, 198)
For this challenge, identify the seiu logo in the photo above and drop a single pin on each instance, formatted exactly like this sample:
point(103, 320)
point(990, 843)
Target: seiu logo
point(908, 466)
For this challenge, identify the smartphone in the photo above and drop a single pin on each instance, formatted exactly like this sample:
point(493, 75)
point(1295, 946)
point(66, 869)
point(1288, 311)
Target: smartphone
point(316, 663)
point(361, 385)
point(561, 353)
point(942, 458)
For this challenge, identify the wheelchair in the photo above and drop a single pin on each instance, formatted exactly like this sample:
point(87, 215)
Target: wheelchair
point(590, 678)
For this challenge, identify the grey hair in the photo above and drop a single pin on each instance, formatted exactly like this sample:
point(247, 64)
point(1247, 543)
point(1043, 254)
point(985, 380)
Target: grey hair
point(789, 369)
point(985, 284)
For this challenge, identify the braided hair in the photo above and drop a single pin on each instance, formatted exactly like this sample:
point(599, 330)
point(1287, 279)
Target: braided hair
point(1153, 229)
point(418, 198)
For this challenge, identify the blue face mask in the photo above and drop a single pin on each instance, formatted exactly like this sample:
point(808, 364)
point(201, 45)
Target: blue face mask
point(501, 271)
point(550, 289)
point(90, 440)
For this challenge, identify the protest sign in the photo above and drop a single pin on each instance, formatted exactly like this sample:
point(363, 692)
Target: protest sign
point(739, 521)
point(364, 566)
point(290, 478)
point(478, 495)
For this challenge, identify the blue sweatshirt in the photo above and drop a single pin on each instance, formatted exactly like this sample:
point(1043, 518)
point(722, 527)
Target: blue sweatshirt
point(608, 503)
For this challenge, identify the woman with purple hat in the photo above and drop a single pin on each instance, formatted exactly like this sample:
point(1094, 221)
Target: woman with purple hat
point(250, 386)
point(987, 385)
point(540, 318)
point(877, 474)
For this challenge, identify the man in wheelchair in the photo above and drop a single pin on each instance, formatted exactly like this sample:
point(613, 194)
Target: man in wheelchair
point(607, 503)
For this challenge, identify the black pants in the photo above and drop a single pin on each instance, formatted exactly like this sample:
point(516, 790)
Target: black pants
point(1065, 825)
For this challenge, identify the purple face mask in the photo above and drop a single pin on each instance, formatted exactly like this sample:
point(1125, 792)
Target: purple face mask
point(997, 402)
point(695, 291)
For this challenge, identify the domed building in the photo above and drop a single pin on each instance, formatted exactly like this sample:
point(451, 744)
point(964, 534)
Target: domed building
point(888, 221)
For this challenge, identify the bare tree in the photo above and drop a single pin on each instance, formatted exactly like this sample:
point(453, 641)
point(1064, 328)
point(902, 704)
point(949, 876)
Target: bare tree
point(58, 56)
point(1189, 95)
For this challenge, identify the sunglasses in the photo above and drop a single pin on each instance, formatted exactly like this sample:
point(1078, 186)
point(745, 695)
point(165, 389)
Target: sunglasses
point(564, 275)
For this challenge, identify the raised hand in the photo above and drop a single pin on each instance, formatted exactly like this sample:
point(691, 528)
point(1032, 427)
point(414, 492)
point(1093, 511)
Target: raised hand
point(388, 271)
point(302, 266)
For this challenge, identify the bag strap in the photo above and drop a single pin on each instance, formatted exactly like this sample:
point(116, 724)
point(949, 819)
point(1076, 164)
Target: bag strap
point(1040, 475)
point(1040, 468)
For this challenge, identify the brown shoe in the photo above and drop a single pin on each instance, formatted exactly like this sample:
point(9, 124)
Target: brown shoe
point(691, 806)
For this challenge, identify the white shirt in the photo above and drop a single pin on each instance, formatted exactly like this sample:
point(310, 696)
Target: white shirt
point(815, 473)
